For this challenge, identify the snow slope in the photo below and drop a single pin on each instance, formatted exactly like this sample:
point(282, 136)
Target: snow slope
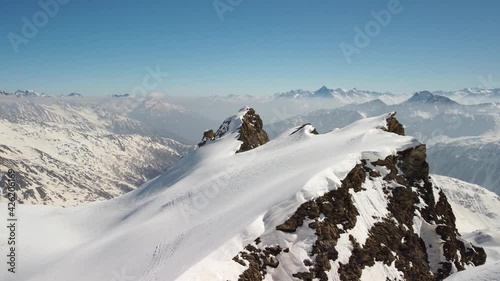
point(477, 211)
point(207, 207)
point(463, 140)
point(472, 159)
point(192, 221)
point(490, 272)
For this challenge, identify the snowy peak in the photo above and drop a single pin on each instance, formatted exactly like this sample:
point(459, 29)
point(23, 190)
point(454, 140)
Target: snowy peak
point(295, 94)
point(120, 95)
point(74, 94)
point(246, 126)
point(478, 92)
point(340, 95)
point(323, 92)
point(30, 93)
point(429, 98)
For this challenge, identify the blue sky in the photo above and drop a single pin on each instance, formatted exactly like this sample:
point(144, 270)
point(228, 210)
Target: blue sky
point(99, 47)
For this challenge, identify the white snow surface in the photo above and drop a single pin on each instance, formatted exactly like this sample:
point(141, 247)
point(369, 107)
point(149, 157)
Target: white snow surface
point(200, 213)
point(490, 272)
point(477, 213)
point(188, 223)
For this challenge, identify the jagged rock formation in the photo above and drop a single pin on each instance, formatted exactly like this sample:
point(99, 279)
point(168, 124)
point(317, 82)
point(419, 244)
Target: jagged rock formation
point(252, 133)
point(416, 237)
point(258, 260)
point(394, 126)
point(247, 124)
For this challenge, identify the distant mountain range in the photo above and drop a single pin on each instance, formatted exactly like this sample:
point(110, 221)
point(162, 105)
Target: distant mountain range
point(33, 93)
point(339, 95)
point(429, 98)
point(467, 95)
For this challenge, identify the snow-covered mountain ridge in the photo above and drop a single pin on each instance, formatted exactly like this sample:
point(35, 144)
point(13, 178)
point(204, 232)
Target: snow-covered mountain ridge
point(68, 154)
point(463, 140)
point(356, 203)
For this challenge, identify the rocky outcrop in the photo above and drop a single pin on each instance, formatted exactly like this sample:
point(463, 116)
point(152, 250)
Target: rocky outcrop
point(258, 260)
point(207, 135)
point(418, 236)
point(394, 126)
point(247, 124)
point(252, 133)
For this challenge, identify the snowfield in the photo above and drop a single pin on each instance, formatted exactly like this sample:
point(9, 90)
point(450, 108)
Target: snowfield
point(477, 213)
point(189, 222)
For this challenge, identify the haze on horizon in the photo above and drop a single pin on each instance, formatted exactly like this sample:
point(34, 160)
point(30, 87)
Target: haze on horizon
point(258, 47)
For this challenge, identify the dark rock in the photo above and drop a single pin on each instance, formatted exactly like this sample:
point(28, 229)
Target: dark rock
point(207, 135)
point(415, 167)
point(252, 133)
point(258, 261)
point(394, 126)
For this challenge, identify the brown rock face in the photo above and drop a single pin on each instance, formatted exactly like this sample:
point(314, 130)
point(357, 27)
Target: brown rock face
point(207, 135)
point(415, 167)
point(394, 126)
point(258, 261)
point(252, 133)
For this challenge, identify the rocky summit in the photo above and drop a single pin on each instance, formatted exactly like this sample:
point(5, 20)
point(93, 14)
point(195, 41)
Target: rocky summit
point(248, 126)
